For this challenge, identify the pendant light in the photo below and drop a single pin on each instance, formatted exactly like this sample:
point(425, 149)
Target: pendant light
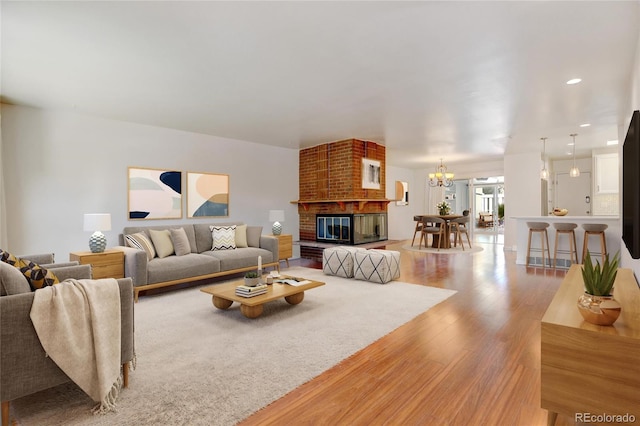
point(544, 173)
point(574, 172)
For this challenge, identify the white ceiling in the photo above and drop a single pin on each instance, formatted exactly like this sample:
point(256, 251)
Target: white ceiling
point(465, 81)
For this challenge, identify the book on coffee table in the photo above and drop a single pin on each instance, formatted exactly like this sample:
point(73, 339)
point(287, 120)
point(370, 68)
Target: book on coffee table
point(292, 281)
point(247, 289)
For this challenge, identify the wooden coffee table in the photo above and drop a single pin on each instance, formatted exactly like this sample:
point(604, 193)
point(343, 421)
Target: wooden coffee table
point(223, 295)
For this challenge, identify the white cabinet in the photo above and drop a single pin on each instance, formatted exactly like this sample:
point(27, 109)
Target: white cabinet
point(606, 173)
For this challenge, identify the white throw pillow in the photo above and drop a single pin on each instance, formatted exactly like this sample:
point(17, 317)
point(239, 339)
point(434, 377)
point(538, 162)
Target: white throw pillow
point(224, 237)
point(241, 236)
point(162, 242)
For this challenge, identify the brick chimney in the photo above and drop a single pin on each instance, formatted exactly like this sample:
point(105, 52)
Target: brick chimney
point(331, 182)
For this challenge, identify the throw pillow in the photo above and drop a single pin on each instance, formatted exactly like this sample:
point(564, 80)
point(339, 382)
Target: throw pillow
point(253, 235)
point(224, 237)
point(162, 242)
point(7, 257)
point(37, 276)
point(141, 242)
point(241, 236)
point(180, 241)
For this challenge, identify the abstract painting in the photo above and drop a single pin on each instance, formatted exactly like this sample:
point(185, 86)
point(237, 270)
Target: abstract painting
point(370, 174)
point(155, 194)
point(207, 195)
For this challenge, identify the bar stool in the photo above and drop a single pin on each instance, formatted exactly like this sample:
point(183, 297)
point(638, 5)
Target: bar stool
point(540, 227)
point(594, 229)
point(567, 229)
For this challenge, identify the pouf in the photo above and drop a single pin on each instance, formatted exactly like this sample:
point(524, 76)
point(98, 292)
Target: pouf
point(339, 261)
point(394, 262)
point(373, 266)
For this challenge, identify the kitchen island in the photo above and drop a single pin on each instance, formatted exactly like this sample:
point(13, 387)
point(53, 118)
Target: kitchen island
point(613, 237)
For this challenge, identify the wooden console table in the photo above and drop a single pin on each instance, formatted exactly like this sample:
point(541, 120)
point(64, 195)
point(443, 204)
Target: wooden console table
point(586, 369)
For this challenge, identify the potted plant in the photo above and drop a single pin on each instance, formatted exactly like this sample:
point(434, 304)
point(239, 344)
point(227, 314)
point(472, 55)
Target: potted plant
point(597, 304)
point(443, 208)
point(251, 279)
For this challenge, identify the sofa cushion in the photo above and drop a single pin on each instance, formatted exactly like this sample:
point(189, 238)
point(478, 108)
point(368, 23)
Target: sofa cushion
point(179, 267)
point(162, 242)
point(224, 237)
point(37, 276)
point(180, 241)
point(140, 241)
point(240, 258)
point(241, 236)
point(253, 235)
point(12, 281)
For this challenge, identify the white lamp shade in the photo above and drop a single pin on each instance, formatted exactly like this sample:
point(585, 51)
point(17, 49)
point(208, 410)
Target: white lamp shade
point(97, 222)
point(276, 215)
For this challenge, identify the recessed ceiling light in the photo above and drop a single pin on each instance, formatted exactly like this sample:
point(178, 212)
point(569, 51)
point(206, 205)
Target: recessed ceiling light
point(574, 81)
point(612, 142)
point(585, 125)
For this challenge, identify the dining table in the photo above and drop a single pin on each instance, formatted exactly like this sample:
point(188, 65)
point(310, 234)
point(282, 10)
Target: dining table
point(447, 220)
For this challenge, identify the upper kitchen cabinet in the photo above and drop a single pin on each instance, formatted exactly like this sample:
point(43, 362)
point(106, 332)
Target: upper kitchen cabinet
point(606, 173)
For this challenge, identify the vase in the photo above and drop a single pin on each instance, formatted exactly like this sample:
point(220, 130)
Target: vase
point(444, 212)
point(599, 310)
point(251, 282)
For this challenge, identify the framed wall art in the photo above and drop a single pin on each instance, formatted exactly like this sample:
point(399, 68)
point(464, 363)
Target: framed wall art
point(370, 174)
point(154, 194)
point(207, 195)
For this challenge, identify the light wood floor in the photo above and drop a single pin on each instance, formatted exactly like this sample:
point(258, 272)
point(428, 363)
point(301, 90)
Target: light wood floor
point(471, 360)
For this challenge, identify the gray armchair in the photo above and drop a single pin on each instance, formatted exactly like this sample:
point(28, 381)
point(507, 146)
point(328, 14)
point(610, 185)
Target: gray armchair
point(24, 366)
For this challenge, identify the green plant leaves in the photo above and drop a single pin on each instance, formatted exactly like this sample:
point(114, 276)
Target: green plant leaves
point(599, 280)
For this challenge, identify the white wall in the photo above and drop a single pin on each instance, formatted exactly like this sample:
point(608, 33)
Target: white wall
point(634, 104)
point(401, 224)
point(58, 166)
point(522, 192)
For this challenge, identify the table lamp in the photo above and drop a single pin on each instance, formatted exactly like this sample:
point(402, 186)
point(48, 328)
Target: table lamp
point(97, 222)
point(276, 216)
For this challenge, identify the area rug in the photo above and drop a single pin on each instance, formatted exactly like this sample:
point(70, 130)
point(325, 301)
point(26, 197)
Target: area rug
point(452, 250)
point(197, 365)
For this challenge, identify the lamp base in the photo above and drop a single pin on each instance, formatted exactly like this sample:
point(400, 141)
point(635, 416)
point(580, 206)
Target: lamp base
point(276, 229)
point(97, 242)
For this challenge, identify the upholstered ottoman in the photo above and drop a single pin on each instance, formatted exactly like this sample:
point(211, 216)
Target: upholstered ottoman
point(393, 257)
point(339, 261)
point(375, 266)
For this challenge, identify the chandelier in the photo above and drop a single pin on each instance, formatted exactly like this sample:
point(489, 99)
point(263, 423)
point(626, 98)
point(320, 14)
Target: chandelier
point(441, 177)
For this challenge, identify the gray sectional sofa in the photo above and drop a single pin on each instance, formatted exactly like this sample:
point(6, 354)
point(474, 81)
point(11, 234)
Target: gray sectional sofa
point(199, 261)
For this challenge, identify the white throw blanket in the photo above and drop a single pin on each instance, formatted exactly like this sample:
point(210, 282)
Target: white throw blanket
point(78, 324)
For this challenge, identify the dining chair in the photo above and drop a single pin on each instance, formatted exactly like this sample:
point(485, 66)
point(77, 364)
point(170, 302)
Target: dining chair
point(435, 226)
point(460, 226)
point(419, 224)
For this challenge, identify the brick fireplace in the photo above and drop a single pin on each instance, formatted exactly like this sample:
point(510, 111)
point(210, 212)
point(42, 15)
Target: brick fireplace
point(331, 183)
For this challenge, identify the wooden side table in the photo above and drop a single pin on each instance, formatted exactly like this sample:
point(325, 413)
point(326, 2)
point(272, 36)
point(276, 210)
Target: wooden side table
point(285, 247)
point(108, 264)
point(590, 369)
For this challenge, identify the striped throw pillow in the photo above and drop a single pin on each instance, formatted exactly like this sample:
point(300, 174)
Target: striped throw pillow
point(141, 242)
point(224, 237)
